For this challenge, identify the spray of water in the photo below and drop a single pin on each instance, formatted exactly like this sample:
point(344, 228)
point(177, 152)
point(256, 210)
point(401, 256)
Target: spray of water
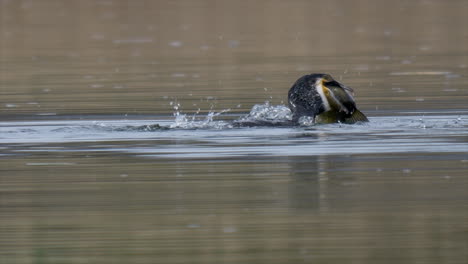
point(195, 121)
point(266, 115)
point(260, 115)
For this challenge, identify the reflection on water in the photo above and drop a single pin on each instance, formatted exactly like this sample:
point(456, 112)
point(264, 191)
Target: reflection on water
point(136, 132)
point(300, 208)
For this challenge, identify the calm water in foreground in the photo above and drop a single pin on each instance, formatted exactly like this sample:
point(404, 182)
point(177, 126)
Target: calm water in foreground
point(156, 132)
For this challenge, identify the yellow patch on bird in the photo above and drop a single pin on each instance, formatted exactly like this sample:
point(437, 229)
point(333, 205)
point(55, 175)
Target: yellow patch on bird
point(326, 91)
point(331, 101)
point(321, 91)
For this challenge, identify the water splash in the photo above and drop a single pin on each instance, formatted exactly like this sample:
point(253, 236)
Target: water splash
point(266, 115)
point(183, 121)
point(260, 115)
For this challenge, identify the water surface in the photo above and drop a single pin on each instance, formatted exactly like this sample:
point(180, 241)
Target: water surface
point(157, 132)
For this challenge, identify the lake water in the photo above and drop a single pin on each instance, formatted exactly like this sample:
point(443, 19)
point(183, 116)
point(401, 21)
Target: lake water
point(157, 132)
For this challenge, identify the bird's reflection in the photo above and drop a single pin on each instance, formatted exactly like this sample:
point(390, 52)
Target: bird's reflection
point(315, 184)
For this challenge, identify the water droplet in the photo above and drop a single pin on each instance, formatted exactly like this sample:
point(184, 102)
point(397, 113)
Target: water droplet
point(98, 36)
point(205, 47)
point(193, 226)
point(230, 229)
point(385, 58)
point(178, 75)
point(424, 48)
point(96, 85)
point(233, 43)
point(176, 44)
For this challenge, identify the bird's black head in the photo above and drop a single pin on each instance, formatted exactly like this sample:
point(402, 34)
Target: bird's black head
point(326, 80)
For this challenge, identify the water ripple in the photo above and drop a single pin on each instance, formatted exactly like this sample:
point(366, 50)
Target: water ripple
point(265, 131)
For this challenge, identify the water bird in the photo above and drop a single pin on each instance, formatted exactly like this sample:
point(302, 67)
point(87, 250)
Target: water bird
point(321, 97)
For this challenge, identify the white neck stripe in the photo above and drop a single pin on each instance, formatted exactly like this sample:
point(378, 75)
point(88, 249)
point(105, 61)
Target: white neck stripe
point(321, 92)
